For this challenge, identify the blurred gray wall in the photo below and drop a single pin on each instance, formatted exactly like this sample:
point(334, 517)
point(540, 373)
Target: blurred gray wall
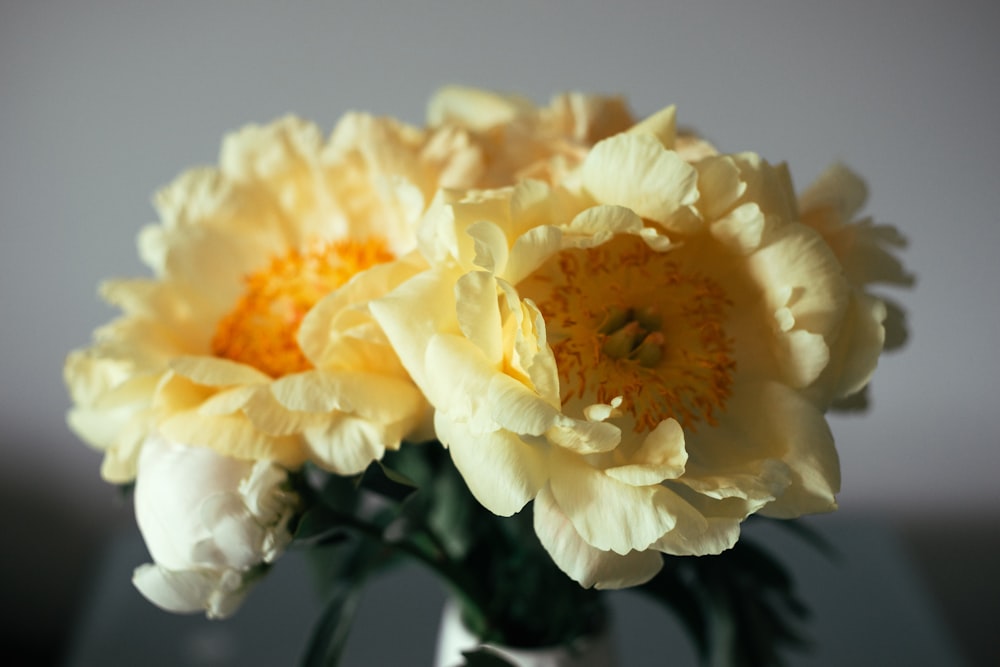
point(102, 102)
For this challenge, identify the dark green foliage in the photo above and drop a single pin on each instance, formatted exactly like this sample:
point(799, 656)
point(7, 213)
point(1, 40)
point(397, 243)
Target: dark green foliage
point(740, 607)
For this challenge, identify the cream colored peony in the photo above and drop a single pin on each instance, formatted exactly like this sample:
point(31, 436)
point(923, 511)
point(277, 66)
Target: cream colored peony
point(641, 350)
point(251, 338)
point(211, 524)
point(831, 205)
point(517, 139)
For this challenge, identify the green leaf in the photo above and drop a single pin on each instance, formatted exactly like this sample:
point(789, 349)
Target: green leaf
point(485, 657)
point(319, 526)
point(740, 607)
point(396, 476)
point(387, 483)
point(331, 631)
point(340, 493)
point(346, 567)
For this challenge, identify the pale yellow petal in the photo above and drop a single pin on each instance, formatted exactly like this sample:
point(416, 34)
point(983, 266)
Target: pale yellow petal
point(837, 188)
point(502, 471)
point(228, 401)
point(461, 380)
point(661, 456)
point(478, 313)
point(345, 309)
point(584, 436)
point(474, 108)
point(271, 417)
point(589, 566)
point(530, 250)
point(370, 396)
point(637, 172)
point(704, 526)
point(413, 313)
point(609, 514)
point(855, 354)
point(742, 229)
point(800, 272)
point(234, 436)
point(598, 224)
point(519, 409)
point(785, 426)
point(347, 445)
point(491, 245)
point(720, 186)
point(217, 372)
point(662, 125)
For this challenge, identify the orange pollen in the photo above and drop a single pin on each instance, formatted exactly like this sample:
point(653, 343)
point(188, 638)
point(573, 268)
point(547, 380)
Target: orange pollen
point(262, 329)
point(626, 320)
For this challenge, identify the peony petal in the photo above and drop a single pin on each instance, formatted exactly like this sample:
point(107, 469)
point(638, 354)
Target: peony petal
point(799, 271)
point(180, 592)
point(598, 224)
point(837, 188)
point(637, 172)
point(584, 436)
point(268, 415)
point(519, 409)
point(662, 125)
point(856, 351)
point(461, 380)
point(491, 246)
point(742, 229)
point(345, 309)
point(370, 396)
point(720, 186)
point(802, 356)
point(502, 471)
point(216, 372)
point(474, 108)
point(608, 514)
point(478, 313)
point(704, 526)
point(582, 562)
point(236, 536)
point(346, 445)
point(530, 251)
point(228, 401)
point(787, 453)
point(413, 313)
point(234, 436)
point(661, 456)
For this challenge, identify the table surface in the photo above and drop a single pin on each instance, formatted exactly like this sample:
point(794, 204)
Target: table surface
point(868, 608)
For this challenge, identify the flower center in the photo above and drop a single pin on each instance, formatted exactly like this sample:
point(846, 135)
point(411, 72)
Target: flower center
point(625, 320)
point(261, 329)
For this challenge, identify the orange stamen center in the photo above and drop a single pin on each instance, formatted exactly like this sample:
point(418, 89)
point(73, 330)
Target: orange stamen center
point(262, 329)
point(625, 320)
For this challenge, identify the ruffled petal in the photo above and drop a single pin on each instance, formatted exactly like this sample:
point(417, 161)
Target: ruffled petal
point(502, 471)
point(637, 172)
point(589, 566)
point(609, 514)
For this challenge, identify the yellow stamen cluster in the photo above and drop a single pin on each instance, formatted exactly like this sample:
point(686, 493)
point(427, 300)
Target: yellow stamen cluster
point(261, 329)
point(625, 320)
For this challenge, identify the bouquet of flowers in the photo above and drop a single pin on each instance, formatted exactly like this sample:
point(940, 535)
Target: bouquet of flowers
point(545, 351)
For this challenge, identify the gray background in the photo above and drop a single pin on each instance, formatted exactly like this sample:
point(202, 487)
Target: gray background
point(103, 102)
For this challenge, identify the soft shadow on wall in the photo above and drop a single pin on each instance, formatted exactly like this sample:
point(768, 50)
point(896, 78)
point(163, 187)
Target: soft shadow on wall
point(50, 554)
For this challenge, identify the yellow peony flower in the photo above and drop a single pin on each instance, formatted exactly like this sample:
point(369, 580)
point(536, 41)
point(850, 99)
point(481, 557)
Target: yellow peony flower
point(251, 338)
point(641, 351)
point(831, 206)
point(517, 139)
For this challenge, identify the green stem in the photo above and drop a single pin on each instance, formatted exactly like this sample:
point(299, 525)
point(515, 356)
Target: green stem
point(462, 586)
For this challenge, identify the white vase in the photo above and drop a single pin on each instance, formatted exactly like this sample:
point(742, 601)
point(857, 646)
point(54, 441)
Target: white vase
point(454, 638)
